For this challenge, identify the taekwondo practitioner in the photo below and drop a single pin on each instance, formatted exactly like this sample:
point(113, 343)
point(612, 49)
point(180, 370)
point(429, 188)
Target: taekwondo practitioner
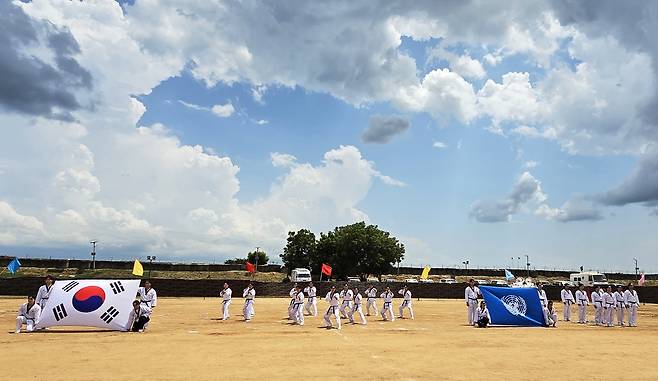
point(582, 300)
point(333, 299)
point(371, 295)
point(356, 307)
point(44, 292)
point(388, 304)
point(406, 302)
point(567, 299)
point(620, 305)
point(347, 295)
point(147, 295)
point(298, 306)
point(608, 307)
point(225, 294)
point(597, 301)
point(633, 302)
point(550, 314)
point(312, 301)
point(28, 314)
point(139, 317)
point(471, 294)
point(292, 293)
point(542, 295)
point(249, 294)
point(483, 315)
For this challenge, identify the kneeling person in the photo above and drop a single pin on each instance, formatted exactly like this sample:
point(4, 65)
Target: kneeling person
point(483, 317)
point(139, 316)
point(28, 314)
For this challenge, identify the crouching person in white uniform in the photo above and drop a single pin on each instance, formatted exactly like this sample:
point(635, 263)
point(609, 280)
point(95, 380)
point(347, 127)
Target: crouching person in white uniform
point(356, 307)
point(387, 308)
point(139, 317)
point(249, 294)
point(28, 314)
point(550, 314)
point(312, 301)
point(406, 302)
point(483, 315)
point(225, 294)
point(471, 297)
point(633, 302)
point(333, 298)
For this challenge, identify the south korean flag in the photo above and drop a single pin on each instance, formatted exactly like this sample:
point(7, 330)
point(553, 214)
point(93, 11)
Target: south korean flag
point(90, 303)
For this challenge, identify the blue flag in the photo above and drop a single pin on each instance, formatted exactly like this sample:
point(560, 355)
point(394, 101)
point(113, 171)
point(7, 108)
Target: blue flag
point(13, 266)
point(513, 306)
point(509, 276)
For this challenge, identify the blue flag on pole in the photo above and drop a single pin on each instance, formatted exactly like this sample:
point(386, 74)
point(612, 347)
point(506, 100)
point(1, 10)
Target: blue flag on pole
point(513, 306)
point(13, 266)
point(509, 276)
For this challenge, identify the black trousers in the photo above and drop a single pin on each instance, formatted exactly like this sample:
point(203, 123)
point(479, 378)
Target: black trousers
point(139, 324)
point(482, 323)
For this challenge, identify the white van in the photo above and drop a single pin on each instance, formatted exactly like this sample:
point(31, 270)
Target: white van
point(300, 275)
point(588, 278)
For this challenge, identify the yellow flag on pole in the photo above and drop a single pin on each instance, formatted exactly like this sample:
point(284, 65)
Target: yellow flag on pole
point(138, 269)
point(426, 273)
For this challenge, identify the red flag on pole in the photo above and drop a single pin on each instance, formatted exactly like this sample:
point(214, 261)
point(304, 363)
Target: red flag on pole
point(326, 269)
point(250, 267)
point(641, 281)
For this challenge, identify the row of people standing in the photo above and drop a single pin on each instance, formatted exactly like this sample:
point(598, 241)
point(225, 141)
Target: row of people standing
point(608, 305)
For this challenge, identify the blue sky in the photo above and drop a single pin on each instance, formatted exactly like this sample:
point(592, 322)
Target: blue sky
point(530, 135)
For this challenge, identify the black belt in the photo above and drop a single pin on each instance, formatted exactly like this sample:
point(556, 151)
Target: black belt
point(472, 298)
point(224, 301)
point(298, 304)
point(404, 303)
point(332, 309)
point(632, 302)
point(385, 303)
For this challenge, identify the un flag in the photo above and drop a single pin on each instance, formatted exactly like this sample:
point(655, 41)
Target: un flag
point(513, 306)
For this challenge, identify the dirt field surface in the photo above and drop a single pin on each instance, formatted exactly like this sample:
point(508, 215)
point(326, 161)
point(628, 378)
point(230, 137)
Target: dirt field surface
point(186, 342)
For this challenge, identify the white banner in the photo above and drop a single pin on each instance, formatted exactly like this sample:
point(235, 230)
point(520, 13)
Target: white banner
point(91, 303)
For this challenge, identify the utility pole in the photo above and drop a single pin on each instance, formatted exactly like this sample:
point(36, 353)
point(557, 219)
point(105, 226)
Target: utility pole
point(466, 262)
point(527, 265)
point(150, 258)
point(93, 254)
point(637, 270)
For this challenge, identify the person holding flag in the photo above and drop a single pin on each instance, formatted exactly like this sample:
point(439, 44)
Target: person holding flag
point(347, 296)
point(550, 315)
point(371, 295)
point(226, 294)
point(406, 302)
point(583, 301)
point(249, 294)
point(633, 302)
point(620, 305)
point(388, 304)
point(147, 295)
point(471, 294)
point(333, 298)
point(483, 315)
point(567, 299)
point(356, 308)
point(311, 302)
point(28, 314)
point(139, 317)
point(44, 291)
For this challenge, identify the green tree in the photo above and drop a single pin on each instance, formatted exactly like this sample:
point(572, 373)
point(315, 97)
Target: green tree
point(357, 250)
point(235, 261)
point(258, 257)
point(299, 250)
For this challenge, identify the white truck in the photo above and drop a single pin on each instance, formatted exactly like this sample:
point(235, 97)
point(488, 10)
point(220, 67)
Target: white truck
point(588, 278)
point(300, 275)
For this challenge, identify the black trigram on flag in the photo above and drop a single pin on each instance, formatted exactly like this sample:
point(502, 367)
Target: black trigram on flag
point(70, 286)
point(110, 314)
point(117, 287)
point(59, 312)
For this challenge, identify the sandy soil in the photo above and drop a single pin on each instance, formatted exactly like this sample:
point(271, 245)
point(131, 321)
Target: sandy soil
point(187, 342)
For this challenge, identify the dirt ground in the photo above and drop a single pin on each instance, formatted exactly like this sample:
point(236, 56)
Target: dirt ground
point(187, 342)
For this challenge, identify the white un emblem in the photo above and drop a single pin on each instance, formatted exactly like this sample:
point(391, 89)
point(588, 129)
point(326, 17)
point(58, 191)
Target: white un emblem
point(514, 304)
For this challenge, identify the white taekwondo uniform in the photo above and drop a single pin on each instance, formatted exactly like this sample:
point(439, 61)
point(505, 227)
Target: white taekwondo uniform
point(608, 309)
point(567, 299)
point(29, 317)
point(542, 297)
point(582, 300)
point(371, 294)
point(248, 309)
point(332, 310)
point(42, 296)
point(406, 303)
point(388, 305)
point(550, 315)
point(226, 302)
point(148, 298)
point(483, 313)
point(133, 317)
point(471, 298)
point(597, 301)
point(356, 308)
point(292, 294)
point(633, 301)
point(312, 301)
point(298, 308)
point(620, 305)
point(346, 305)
